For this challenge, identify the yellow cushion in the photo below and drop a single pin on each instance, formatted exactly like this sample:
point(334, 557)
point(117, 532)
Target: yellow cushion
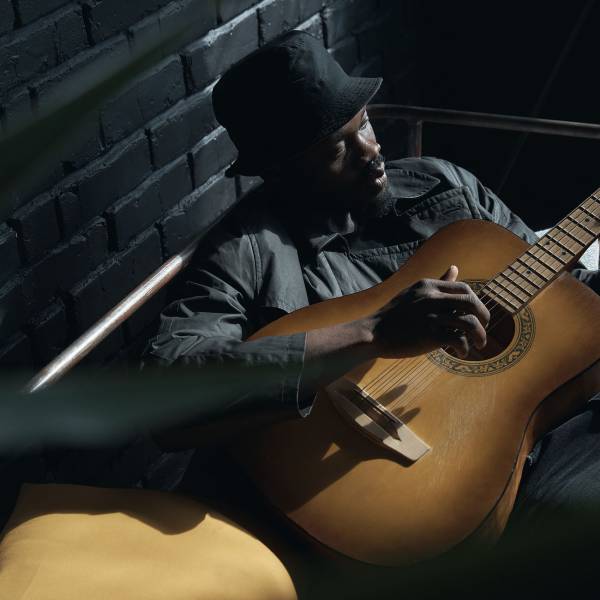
point(68, 542)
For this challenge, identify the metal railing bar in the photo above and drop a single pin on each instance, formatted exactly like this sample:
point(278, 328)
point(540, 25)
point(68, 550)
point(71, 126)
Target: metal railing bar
point(486, 120)
point(83, 345)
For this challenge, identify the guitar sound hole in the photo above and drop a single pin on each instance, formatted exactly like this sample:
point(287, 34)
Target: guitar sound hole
point(500, 333)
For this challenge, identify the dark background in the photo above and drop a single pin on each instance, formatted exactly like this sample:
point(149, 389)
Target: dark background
point(499, 57)
point(148, 172)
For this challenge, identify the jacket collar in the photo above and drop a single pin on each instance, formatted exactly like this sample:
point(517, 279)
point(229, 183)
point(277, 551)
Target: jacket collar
point(321, 230)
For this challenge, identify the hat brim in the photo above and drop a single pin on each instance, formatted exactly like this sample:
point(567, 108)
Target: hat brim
point(357, 93)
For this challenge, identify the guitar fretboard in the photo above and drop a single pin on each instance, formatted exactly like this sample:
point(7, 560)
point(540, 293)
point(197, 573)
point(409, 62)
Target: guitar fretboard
point(527, 276)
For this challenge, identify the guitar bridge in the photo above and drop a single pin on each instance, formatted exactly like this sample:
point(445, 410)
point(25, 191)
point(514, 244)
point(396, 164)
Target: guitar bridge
point(378, 423)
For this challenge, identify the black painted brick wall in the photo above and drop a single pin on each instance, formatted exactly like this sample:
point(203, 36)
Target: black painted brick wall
point(148, 171)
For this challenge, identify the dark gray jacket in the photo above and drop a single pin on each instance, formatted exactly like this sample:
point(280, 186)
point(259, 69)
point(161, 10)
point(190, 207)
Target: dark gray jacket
point(254, 267)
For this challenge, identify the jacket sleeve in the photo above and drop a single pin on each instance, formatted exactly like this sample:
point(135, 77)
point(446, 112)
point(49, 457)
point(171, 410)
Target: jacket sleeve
point(215, 311)
point(493, 209)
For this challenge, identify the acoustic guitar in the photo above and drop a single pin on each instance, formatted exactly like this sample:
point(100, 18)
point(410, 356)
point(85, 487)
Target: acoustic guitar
point(403, 459)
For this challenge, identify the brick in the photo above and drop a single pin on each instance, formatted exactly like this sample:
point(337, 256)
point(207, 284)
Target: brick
point(222, 47)
point(177, 130)
point(7, 16)
point(145, 205)
point(310, 8)
point(227, 9)
point(97, 242)
point(112, 176)
point(49, 332)
point(80, 71)
point(88, 301)
point(9, 251)
point(30, 10)
point(193, 17)
point(85, 145)
point(197, 213)
point(37, 227)
point(71, 36)
point(276, 17)
point(57, 272)
point(16, 352)
point(345, 17)
point(175, 182)
point(211, 154)
point(48, 176)
point(26, 53)
point(17, 109)
point(113, 280)
point(69, 213)
point(148, 96)
point(314, 26)
point(161, 88)
point(14, 310)
point(109, 17)
point(346, 53)
point(246, 184)
point(134, 212)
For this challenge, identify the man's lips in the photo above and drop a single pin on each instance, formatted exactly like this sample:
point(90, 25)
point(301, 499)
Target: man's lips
point(376, 173)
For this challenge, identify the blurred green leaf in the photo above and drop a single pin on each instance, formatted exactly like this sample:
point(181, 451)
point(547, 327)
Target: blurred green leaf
point(90, 408)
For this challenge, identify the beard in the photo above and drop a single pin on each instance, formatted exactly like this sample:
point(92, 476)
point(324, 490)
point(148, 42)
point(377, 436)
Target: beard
point(378, 205)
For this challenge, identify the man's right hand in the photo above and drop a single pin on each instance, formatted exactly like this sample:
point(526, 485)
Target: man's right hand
point(429, 314)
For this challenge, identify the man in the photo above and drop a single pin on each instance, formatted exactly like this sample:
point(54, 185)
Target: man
point(330, 219)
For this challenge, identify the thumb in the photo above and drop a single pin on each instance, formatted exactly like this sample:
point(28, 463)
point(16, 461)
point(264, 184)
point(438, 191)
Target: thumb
point(451, 274)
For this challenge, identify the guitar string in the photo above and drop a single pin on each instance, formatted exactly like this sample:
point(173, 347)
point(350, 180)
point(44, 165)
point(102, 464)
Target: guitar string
point(403, 371)
point(491, 300)
point(521, 273)
point(425, 363)
point(409, 368)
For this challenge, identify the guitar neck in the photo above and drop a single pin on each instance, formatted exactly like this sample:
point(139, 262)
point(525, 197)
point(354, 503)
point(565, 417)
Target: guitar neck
point(543, 262)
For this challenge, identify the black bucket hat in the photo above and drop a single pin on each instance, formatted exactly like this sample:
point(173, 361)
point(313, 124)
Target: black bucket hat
point(283, 98)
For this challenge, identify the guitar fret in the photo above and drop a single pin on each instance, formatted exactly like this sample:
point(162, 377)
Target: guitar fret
point(581, 225)
point(504, 300)
point(507, 289)
point(555, 256)
point(530, 268)
point(558, 243)
point(541, 260)
point(520, 276)
point(487, 292)
point(563, 230)
point(516, 284)
point(589, 212)
point(545, 262)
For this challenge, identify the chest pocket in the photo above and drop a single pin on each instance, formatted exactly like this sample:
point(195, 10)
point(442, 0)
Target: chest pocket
point(426, 217)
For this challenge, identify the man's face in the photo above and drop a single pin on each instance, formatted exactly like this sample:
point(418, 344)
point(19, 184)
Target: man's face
point(345, 170)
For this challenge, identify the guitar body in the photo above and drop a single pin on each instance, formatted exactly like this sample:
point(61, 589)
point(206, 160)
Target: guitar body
point(479, 418)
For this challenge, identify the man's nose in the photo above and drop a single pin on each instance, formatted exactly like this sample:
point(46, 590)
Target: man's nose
point(367, 149)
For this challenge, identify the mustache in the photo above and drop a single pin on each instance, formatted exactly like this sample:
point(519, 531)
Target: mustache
point(377, 163)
